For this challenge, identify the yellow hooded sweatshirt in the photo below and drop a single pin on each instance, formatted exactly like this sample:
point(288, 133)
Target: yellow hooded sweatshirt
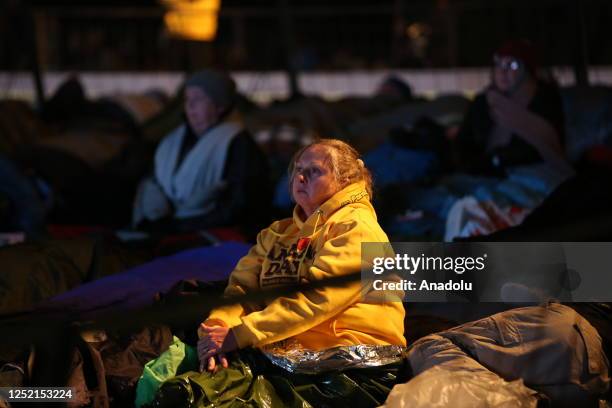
point(293, 251)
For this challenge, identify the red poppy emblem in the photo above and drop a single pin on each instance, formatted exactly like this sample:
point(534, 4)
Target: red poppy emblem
point(302, 244)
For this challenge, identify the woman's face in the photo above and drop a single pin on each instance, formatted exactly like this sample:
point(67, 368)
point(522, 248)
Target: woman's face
point(313, 181)
point(201, 112)
point(507, 73)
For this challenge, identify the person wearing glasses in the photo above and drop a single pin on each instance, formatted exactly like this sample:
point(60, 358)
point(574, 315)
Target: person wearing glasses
point(517, 120)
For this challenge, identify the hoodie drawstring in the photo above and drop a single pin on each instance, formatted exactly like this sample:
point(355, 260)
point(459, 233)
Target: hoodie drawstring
point(314, 230)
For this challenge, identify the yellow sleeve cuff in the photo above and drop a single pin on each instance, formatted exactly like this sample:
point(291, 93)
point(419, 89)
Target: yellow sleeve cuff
point(230, 315)
point(244, 336)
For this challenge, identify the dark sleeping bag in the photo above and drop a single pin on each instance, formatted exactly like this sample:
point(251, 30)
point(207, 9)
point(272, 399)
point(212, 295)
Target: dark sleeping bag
point(37, 271)
point(252, 380)
point(137, 287)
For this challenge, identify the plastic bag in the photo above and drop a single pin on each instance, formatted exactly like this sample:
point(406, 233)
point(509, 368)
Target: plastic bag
point(447, 386)
point(252, 380)
point(177, 359)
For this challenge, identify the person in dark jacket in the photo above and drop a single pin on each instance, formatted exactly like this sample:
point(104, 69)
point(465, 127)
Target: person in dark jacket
point(517, 120)
point(208, 172)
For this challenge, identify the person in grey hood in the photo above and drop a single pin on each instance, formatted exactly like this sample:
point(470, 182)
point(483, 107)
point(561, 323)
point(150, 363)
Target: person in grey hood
point(207, 171)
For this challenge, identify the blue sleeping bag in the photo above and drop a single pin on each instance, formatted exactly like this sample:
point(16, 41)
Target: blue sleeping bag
point(137, 287)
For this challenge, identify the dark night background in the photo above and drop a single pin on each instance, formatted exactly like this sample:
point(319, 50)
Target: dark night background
point(117, 35)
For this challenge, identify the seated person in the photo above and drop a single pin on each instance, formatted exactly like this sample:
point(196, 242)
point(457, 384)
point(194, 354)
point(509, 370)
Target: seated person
point(208, 170)
point(333, 216)
point(517, 120)
point(508, 155)
point(396, 87)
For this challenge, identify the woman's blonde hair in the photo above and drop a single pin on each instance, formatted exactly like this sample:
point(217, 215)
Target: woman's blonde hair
point(344, 162)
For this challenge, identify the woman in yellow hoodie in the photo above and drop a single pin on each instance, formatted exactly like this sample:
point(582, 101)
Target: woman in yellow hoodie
point(333, 216)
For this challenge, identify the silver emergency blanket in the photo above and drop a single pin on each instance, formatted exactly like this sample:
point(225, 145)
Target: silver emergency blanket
point(295, 359)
